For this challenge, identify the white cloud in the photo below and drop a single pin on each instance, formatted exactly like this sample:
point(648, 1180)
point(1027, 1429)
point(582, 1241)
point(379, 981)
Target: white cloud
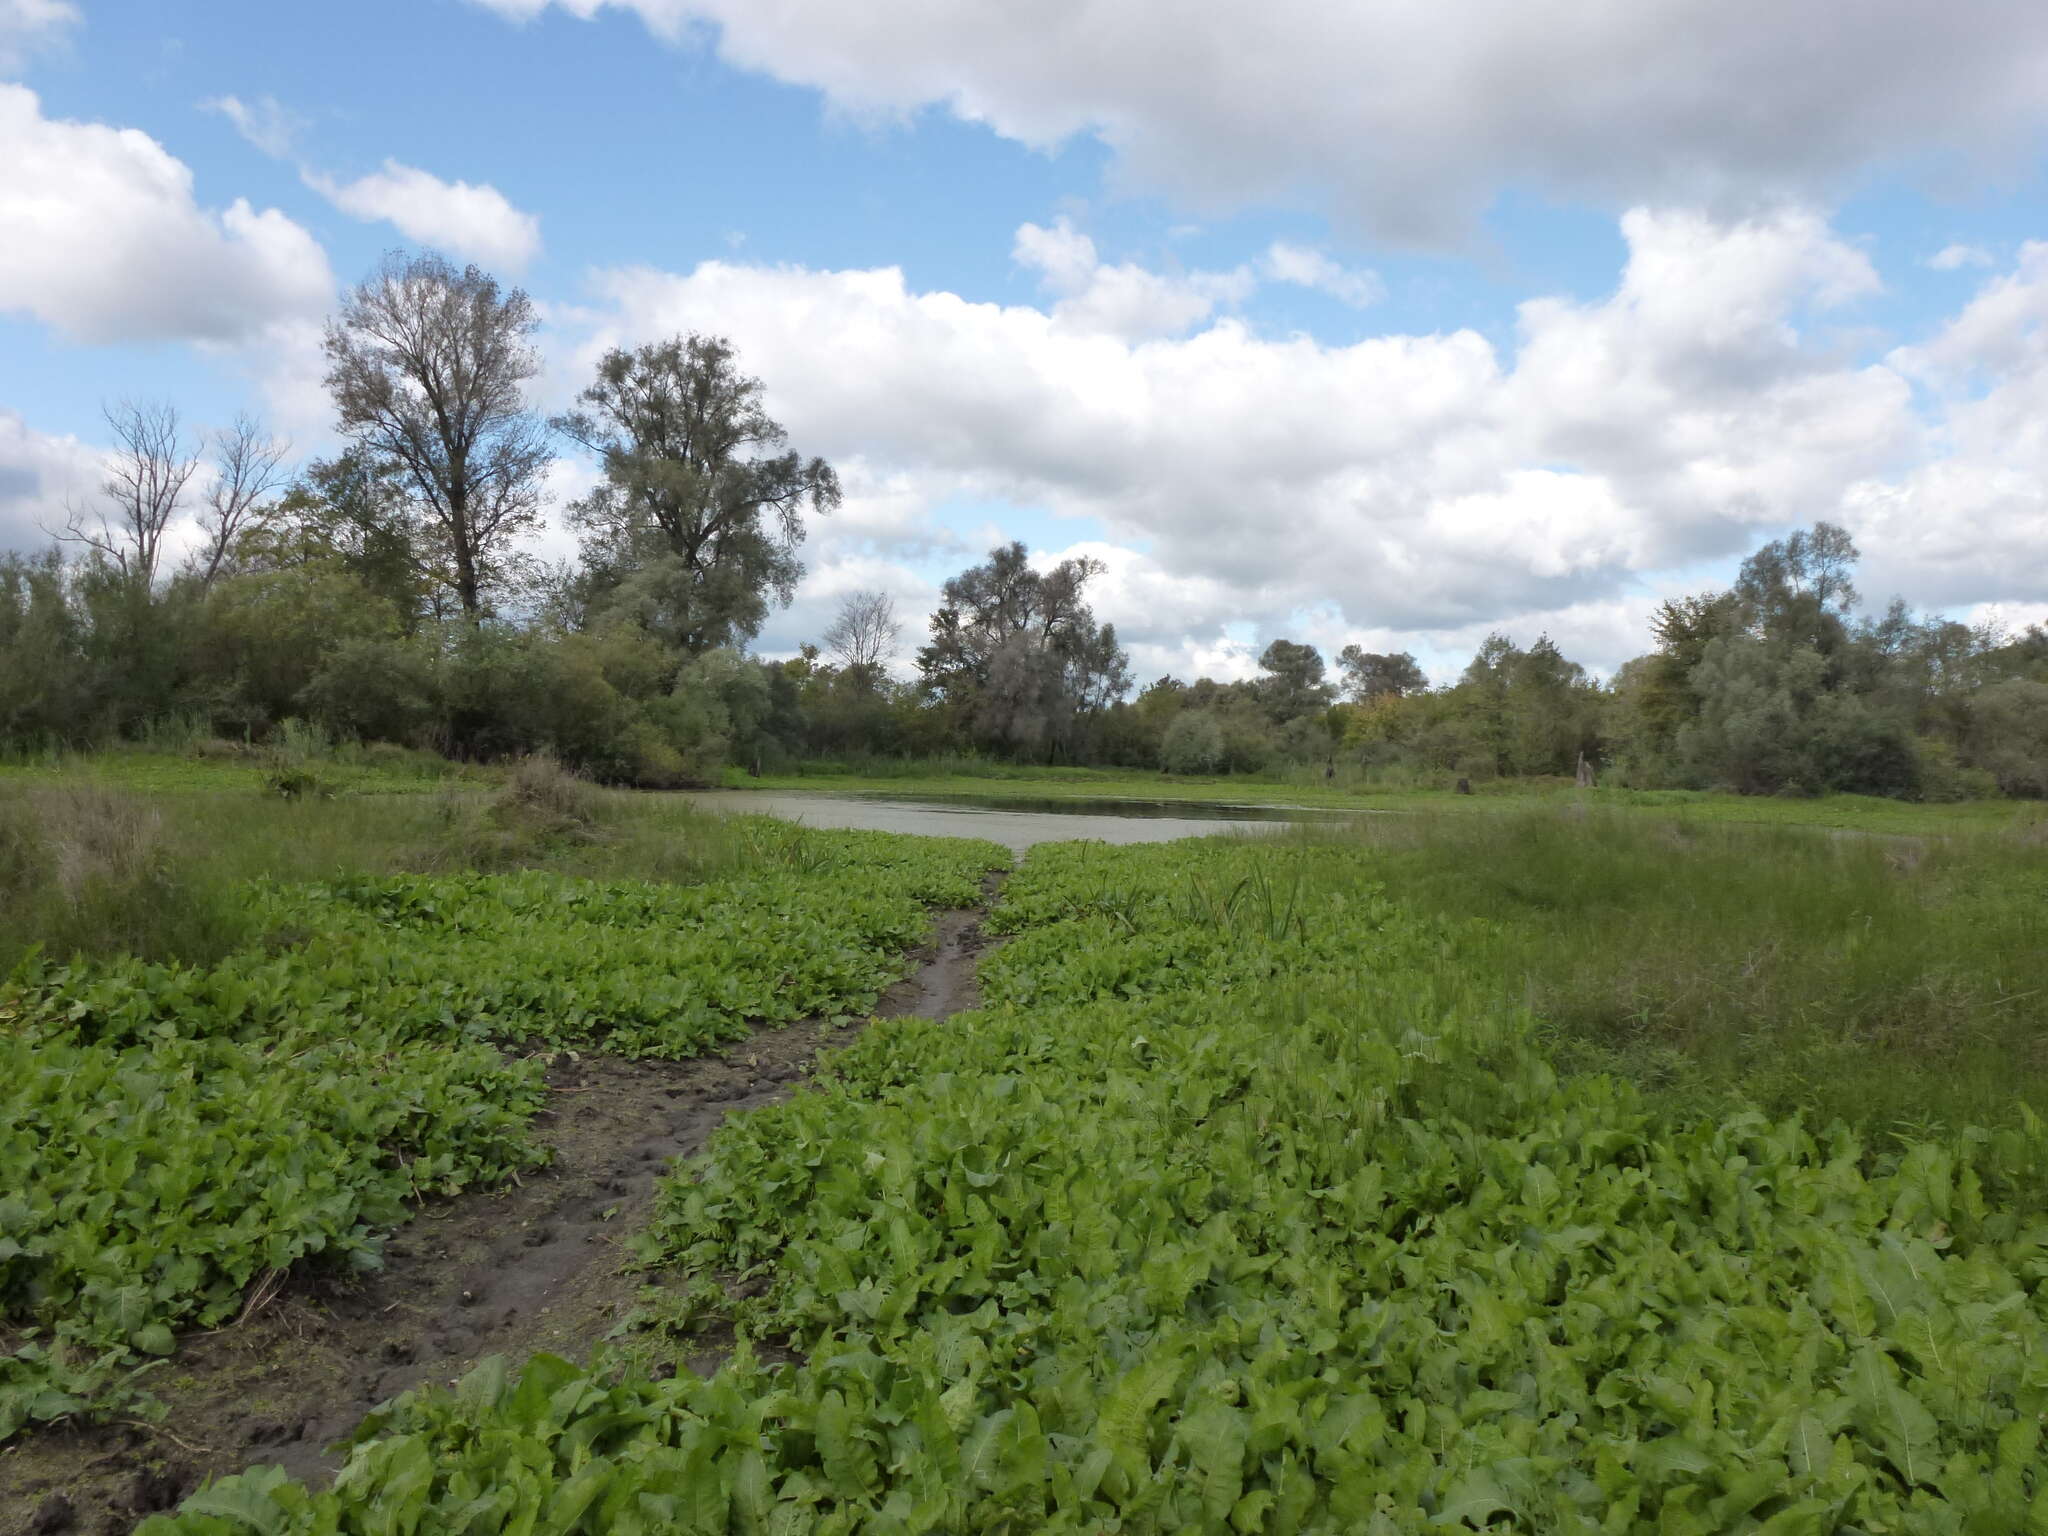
point(265, 123)
point(1309, 268)
point(1414, 485)
point(1125, 300)
point(474, 221)
point(38, 475)
point(101, 239)
point(1411, 117)
point(1952, 257)
point(1970, 524)
point(28, 26)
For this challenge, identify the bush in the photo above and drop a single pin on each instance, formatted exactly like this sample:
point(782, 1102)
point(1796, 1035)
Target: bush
point(541, 792)
point(2008, 736)
point(1193, 744)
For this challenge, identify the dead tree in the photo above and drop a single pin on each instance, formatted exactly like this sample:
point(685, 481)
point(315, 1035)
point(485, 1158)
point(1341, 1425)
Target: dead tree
point(147, 473)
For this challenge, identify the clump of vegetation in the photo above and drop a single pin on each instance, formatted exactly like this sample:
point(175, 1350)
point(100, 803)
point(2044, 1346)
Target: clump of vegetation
point(541, 793)
point(1247, 1206)
point(88, 870)
point(176, 1132)
point(1889, 981)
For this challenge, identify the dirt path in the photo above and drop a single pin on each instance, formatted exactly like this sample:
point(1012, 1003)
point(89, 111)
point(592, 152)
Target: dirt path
point(535, 1267)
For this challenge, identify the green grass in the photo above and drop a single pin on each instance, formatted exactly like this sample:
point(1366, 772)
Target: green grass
point(1024, 783)
point(223, 766)
point(1891, 982)
point(92, 865)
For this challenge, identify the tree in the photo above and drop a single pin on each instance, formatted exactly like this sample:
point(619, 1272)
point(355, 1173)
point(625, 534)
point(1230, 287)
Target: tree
point(1016, 653)
point(352, 510)
point(1192, 744)
point(146, 477)
point(1798, 588)
point(865, 631)
point(246, 468)
point(1379, 675)
point(426, 366)
point(700, 497)
point(1293, 684)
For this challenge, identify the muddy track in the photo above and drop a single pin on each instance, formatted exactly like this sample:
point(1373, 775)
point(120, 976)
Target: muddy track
point(538, 1266)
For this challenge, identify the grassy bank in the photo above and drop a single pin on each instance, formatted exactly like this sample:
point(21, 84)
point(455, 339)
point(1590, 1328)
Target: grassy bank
point(99, 862)
point(1001, 782)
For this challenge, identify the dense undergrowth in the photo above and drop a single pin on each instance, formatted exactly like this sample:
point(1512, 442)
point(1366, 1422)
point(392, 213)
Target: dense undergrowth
point(1246, 1206)
point(1899, 984)
point(179, 1131)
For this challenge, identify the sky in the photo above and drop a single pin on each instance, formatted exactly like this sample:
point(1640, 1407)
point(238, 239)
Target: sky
point(1391, 323)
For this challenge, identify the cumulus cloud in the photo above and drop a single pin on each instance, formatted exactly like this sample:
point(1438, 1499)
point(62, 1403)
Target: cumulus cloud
point(265, 122)
point(474, 221)
point(1419, 485)
point(1307, 267)
point(1969, 525)
point(27, 26)
point(1951, 258)
point(1125, 300)
point(39, 473)
point(102, 239)
point(1411, 117)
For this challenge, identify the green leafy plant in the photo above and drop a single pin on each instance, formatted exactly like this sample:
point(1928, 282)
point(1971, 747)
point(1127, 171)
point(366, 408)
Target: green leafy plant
point(1274, 1226)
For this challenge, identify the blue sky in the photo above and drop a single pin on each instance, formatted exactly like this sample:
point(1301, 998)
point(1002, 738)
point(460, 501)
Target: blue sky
point(1376, 323)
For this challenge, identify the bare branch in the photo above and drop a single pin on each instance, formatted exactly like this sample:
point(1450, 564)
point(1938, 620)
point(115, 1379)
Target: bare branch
point(146, 477)
point(866, 630)
point(248, 466)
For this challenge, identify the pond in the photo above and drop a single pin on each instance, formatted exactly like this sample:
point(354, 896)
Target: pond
point(1016, 823)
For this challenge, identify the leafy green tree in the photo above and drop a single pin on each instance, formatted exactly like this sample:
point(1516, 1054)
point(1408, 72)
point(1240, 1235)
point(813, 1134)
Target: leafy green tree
point(697, 522)
point(48, 691)
point(2008, 735)
point(1375, 674)
point(1798, 589)
point(1291, 682)
point(352, 512)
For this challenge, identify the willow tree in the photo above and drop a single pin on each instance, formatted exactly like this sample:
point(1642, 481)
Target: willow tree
point(696, 524)
point(1016, 655)
point(427, 366)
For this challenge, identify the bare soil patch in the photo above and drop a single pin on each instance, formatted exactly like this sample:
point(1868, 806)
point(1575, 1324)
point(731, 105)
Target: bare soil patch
point(538, 1266)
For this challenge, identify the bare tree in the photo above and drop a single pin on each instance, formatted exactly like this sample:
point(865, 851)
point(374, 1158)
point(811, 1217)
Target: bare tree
point(247, 466)
point(865, 632)
point(146, 477)
point(426, 365)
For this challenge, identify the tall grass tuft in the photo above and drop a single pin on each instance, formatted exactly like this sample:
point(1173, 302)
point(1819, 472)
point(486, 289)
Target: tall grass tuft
point(87, 870)
point(1888, 981)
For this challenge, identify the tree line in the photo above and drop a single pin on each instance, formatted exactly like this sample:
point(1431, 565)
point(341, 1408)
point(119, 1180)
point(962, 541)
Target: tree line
point(385, 594)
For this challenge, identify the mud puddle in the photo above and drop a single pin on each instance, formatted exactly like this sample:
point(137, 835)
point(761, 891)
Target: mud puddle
point(538, 1266)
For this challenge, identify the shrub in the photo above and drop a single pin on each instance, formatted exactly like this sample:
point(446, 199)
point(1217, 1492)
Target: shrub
point(1193, 744)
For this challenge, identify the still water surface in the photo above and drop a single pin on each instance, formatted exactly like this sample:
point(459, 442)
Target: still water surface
point(1015, 823)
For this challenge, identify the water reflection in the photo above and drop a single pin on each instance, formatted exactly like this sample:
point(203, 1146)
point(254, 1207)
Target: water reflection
point(1016, 823)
